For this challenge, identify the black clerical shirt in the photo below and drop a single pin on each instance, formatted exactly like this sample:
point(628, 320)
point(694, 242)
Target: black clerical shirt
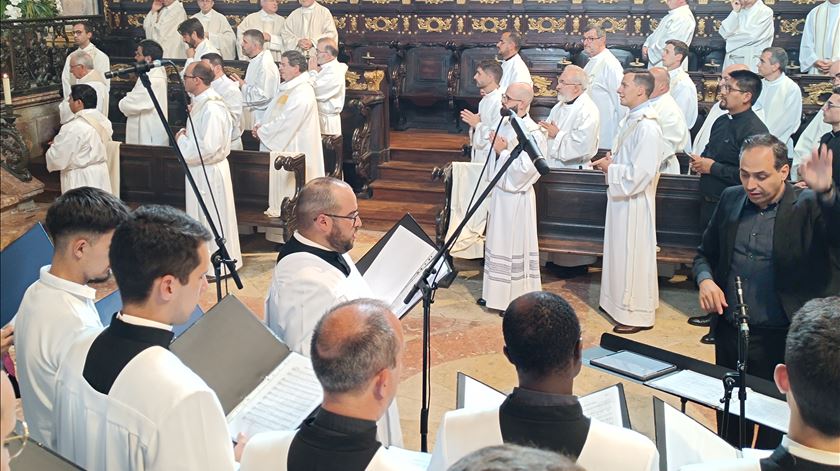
point(330, 441)
point(832, 140)
point(784, 460)
point(294, 245)
point(725, 139)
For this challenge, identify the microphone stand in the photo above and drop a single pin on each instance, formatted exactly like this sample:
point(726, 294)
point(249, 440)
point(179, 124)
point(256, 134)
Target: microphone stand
point(220, 256)
point(740, 375)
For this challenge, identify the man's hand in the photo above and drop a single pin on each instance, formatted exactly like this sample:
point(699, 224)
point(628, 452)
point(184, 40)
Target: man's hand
point(470, 118)
point(701, 165)
point(241, 441)
point(190, 53)
point(7, 338)
point(181, 132)
point(550, 128)
point(313, 63)
point(816, 171)
point(603, 163)
point(499, 144)
point(644, 52)
point(266, 37)
point(236, 78)
point(823, 65)
point(736, 5)
point(156, 6)
point(254, 130)
point(712, 298)
point(304, 44)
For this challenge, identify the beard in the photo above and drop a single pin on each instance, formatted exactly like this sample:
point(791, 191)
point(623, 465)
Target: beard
point(339, 243)
point(101, 278)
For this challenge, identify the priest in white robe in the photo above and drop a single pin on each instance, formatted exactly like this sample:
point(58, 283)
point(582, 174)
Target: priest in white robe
point(678, 24)
point(683, 88)
point(81, 68)
point(605, 74)
point(514, 69)
point(328, 80)
point(261, 79)
point(78, 151)
point(101, 61)
point(671, 122)
point(213, 124)
point(127, 402)
point(161, 26)
point(488, 73)
point(314, 273)
point(142, 124)
point(780, 99)
point(306, 25)
point(192, 32)
point(269, 24)
point(230, 93)
point(291, 125)
point(748, 30)
point(542, 338)
point(573, 124)
point(701, 139)
point(816, 129)
point(820, 44)
point(217, 29)
point(629, 290)
point(511, 257)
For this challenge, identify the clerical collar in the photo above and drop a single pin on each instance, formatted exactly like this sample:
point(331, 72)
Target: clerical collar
point(300, 244)
point(308, 9)
point(143, 322)
point(343, 424)
point(810, 454)
point(510, 58)
point(572, 101)
point(741, 115)
point(542, 399)
point(82, 291)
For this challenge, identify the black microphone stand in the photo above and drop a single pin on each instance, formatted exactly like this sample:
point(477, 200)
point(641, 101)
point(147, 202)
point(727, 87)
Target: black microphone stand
point(220, 256)
point(740, 375)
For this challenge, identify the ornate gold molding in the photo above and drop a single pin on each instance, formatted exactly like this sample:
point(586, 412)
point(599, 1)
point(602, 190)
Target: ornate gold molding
point(340, 22)
point(546, 24)
point(135, 20)
point(381, 24)
point(351, 80)
point(792, 27)
point(434, 24)
point(612, 25)
point(813, 94)
point(710, 88)
point(460, 25)
point(373, 79)
point(542, 86)
point(637, 26)
point(489, 24)
point(803, 2)
point(652, 24)
point(234, 70)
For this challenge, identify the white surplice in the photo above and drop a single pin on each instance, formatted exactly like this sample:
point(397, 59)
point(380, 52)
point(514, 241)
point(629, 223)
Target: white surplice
point(674, 132)
point(101, 63)
point(605, 74)
point(678, 24)
point(629, 290)
point(514, 70)
point(488, 112)
point(781, 104)
point(232, 95)
point(313, 22)
point(747, 33)
point(576, 141)
point(291, 125)
point(142, 124)
point(684, 92)
point(218, 31)
point(213, 124)
point(820, 37)
point(79, 153)
point(95, 80)
point(162, 27)
point(157, 416)
point(330, 88)
point(52, 313)
point(303, 288)
point(204, 47)
point(267, 23)
point(808, 141)
point(607, 447)
point(261, 80)
point(466, 176)
point(511, 255)
point(701, 139)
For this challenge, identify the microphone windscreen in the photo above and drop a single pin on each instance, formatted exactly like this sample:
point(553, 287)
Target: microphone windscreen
point(504, 111)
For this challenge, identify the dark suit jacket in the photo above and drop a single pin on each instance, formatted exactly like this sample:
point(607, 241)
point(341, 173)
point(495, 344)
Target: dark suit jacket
point(806, 244)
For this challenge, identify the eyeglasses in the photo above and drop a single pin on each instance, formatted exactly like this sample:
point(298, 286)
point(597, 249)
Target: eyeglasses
point(505, 97)
point(728, 88)
point(590, 38)
point(829, 105)
point(189, 76)
point(19, 440)
point(352, 216)
point(563, 83)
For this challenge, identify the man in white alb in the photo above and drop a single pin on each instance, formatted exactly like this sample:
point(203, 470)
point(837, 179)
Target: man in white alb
point(678, 24)
point(810, 137)
point(488, 74)
point(683, 88)
point(671, 122)
point(142, 124)
point(261, 78)
point(820, 43)
point(101, 61)
point(270, 26)
point(328, 80)
point(748, 30)
point(605, 74)
point(83, 71)
point(701, 139)
point(192, 32)
point(306, 25)
point(781, 97)
point(230, 93)
point(514, 69)
point(573, 124)
point(629, 290)
point(161, 26)
point(217, 29)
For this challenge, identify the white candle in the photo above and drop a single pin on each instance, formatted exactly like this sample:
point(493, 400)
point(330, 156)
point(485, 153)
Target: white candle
point(7, 90)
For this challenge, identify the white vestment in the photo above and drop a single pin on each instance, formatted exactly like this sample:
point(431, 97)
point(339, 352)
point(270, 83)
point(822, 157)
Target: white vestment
point(807, 142)
point(511, 257)
point(313, 23)
point(488, 112)
point(702, 137)
point(52, 313)
point(828, 459)
point(157, 416)
point(629, 290)
point(747, 33)
point(605, 74)
point(142, 124)
point(607, 447)
point(465, 177)
point(232, 95)
point(674, 131)
point(514, 70)
point(218, 31)
point(303, 288)
point(684, 92)
point(267, 23)
point(678, 24)
point(204, 47)
point(213, 123)
point(162, 27)
point(329, 85)
point(101, 63)
point(79, 153)
point(95, 80)
point(576, 141)
point(261, 80)
point(291, 125)
point(781, 104)
point(820, 37)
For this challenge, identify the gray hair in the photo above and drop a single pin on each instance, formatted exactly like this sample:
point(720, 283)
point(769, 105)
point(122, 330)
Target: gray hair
point(514, 457)
point(296, 59)
point(778, 56)
point(82, 58)
point(346, 362)
point(579, 74)
point(317, 197)
point(598, 30)
point(330, 46)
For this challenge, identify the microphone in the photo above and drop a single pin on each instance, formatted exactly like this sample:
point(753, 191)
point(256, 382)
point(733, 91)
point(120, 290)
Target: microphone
point(526, 140)
point(137, 68)
point(743, 317)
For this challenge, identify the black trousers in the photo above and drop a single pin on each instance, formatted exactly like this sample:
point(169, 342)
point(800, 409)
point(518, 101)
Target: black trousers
point(766, 350)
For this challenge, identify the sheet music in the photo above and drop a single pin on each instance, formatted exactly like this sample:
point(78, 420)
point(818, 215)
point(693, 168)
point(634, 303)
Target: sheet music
point(281, 402)
point(411, 459)
point(478, 395)
point(688, 442)
point(604, 406)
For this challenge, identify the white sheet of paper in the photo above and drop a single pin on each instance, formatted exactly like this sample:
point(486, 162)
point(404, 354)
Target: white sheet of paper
point(287, 396)
point(413, 460)
point(478, 395)
point(688, 442)
point(603, 405)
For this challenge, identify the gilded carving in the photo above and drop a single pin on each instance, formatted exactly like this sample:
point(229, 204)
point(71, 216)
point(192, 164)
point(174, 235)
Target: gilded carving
point(489, 24)
point(135, 20)
point(576, 24)
point(611, 25)
point(373, 79)
point(711, 89)
point(434, 24)
point(322, 1)
point(546, 24)
point(488, 2)
point(434, 2)
point(792, 27)
point(234, 70)
point(547, 1)
point(381, 24)
point(382, 2)
point(816, 93)
point(517, 25)
point(653, 23)
point(701, 27)
point(608, 1)
point(637, 26)
point(354, 25)
point(542, 86)
point(803, 2)
point(351, 79)
point(340, 22)
point(407, 24)
point(236, 19)
point(460, 25)
point(716, 25)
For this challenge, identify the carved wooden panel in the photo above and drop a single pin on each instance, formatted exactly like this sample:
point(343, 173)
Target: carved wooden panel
point(426, 71)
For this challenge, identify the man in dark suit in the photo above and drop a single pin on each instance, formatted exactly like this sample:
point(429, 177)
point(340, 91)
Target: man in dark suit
point(784, 243)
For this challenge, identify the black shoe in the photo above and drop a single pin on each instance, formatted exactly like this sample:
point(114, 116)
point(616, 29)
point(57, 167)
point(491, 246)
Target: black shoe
point(708, 339)
point(481, 302)
point(565, 273)
point(700, 321)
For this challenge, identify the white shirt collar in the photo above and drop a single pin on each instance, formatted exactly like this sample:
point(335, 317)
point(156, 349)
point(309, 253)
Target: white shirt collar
point(82, 291)
point(310, 243)
point(142, 321)
point(308, 9)
point(268, 15)
point(810, 454)
point(639, 109)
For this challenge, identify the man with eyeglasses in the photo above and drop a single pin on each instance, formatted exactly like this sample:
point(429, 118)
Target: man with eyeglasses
point(514, 69)
point(605, 73)
point(701, 139)
point(831, 139)
point(101, 62)
point(573, 123)
point(810, 137)
point(83, 71)
point(328, 80)
point(161, 26)
point(314, 273)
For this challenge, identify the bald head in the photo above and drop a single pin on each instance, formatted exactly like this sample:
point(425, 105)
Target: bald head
point(576, 75)
point(834, 73)
point(319, 196)
point(661, 81)
point(519, 96)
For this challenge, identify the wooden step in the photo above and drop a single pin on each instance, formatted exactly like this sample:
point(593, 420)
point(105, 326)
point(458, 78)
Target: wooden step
point(410, 171)
point(403, 191)
point(435, 157)
point(382, 215)
point(421, 138)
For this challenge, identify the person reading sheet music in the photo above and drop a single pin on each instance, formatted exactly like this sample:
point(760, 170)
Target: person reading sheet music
point(356, 353)
point(542, 340)
point(128, 403)
point(314, 272)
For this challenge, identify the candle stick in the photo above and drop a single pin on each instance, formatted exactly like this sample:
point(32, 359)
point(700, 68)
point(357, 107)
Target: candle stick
point(7, 90)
